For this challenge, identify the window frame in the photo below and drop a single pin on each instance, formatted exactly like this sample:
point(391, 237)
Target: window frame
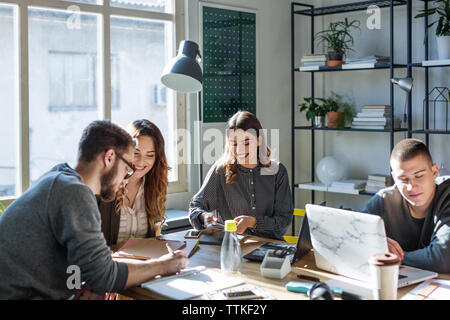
point(22, 138)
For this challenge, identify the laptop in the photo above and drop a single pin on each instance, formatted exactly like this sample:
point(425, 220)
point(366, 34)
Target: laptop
point(293, 251)
point(344, 240)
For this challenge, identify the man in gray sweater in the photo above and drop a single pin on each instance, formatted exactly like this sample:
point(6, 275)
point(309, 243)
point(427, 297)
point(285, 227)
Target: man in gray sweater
point(53, 230)
point(416, 211)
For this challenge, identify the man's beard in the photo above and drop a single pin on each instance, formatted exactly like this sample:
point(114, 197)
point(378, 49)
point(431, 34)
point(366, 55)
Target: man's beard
point(107, 192)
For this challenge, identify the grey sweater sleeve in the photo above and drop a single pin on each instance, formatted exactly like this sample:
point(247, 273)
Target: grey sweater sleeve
point(206, 198)
point(77, 227)
point(275, 224)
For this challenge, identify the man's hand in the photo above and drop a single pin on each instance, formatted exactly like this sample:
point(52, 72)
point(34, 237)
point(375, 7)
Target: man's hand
point(395, 248)
point(85, 293)
point(173, 263)
point(244, 222)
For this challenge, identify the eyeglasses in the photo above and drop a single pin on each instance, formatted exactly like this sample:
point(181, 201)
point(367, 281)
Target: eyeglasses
point(133, 169)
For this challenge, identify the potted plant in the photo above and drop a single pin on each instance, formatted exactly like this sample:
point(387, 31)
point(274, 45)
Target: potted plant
point(339, 112)
point(314, 112)
point(338, 40)
point(442, 9)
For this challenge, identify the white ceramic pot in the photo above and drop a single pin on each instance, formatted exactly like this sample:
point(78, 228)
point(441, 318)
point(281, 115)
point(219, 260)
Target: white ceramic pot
point(443, 47)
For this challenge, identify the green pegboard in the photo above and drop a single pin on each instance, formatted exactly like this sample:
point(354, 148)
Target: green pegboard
point(229, 63)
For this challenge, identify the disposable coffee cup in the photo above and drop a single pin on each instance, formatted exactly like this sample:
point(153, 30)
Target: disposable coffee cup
point(384, 273)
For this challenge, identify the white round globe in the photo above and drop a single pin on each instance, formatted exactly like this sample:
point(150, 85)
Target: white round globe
point(329, 169)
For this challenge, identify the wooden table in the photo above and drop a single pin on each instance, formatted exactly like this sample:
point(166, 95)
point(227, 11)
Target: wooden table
point(209, 256)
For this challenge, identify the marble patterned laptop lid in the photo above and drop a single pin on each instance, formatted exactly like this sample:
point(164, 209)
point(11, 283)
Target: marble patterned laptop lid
point(344, 240)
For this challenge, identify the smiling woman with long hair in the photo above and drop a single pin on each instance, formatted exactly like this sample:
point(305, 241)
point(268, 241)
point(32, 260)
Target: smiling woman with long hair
point(140, 206)
point(245, 184)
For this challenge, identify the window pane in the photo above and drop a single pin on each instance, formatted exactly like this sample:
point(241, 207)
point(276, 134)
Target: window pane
point(75, 9)
point(140, 49)
point(8, 98)
point(63, 55)
point(151, 5)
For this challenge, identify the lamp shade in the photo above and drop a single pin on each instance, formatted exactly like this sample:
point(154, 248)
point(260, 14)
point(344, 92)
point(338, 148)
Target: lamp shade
point(183, 73)
point(404, 83)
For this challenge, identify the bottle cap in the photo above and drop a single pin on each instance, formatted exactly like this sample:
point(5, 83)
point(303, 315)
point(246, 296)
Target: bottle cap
point(230, 226)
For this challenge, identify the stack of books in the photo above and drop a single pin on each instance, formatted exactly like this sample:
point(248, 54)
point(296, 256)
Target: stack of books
point(349, 186)
point(376, 182)
point(313, 62)
point(365, 62)
point(374, 117)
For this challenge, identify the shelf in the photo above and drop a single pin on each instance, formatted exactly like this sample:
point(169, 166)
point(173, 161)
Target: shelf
point(431, 131)
point(349, 129)
point(316, 186)
point(432, 63)
point(339, 68)
point(350, 7)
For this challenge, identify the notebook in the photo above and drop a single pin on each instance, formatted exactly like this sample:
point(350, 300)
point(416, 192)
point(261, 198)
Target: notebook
point(147, 248)
point(191, 283)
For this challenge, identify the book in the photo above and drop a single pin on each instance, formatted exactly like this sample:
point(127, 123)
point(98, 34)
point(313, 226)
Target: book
point(376, 111)
point(191, 283)
point(378, 177)
point(318, 63)
point(147, 248)
point(435, 289)
point(314, 57)
point(372, 119)
point(370, 127)
point(430, 63)
point(358, 66)
point(372, 58)
point(310, 68)
point(370, 123)
point(373, 188)
point(353, 184)
point(377, 107)
point(373, 113)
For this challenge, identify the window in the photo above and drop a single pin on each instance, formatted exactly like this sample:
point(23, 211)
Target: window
point(9, 99)
point(59, 67)
point(71, 51)
point(152, 5)
point(72, 81)
point(140, 45)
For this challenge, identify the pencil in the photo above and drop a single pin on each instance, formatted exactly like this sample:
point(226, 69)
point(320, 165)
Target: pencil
point(169, 248)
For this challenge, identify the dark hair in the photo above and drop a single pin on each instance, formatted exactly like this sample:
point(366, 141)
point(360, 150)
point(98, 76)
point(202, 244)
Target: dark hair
point(101, 135)
point(410, 148)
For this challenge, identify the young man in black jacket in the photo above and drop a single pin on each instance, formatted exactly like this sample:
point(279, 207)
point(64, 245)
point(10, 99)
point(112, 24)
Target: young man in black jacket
point(415, 210)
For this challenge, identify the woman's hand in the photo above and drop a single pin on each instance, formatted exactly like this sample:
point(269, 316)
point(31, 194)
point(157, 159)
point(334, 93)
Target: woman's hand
point(207, 218)
point(244, 222)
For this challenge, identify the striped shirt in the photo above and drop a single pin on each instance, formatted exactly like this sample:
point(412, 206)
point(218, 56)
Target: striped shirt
point(133, 221)
point(263, 193)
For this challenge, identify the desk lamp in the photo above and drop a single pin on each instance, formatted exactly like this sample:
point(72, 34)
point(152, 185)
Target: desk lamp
point(183, 74)
point(406, 85)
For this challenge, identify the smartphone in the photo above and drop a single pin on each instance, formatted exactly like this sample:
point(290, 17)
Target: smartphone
point(241, 295)
point(192, 234)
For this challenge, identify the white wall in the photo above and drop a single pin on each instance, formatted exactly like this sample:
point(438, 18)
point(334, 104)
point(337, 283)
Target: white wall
point(273, 78)
point(367, 152)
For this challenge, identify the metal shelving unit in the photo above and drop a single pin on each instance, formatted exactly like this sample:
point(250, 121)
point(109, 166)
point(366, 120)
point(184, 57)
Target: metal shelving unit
point(313, 12)
point(426, 131)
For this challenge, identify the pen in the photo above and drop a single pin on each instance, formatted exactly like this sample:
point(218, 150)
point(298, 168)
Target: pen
point(169, 248)
point(304, 277)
